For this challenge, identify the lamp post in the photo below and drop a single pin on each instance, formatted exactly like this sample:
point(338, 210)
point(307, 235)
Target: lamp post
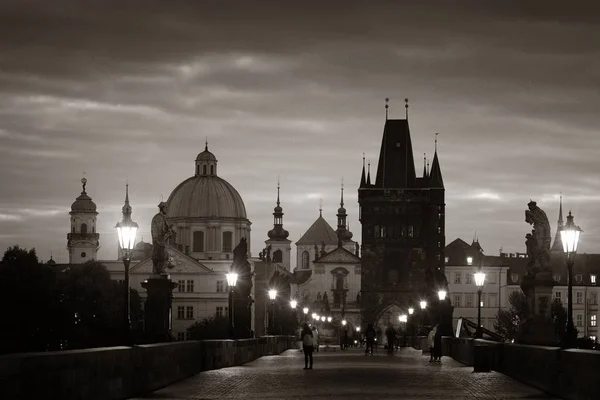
point(293, 304)
point(126, 230)
point(442, 318)
point(305, 311)
point(231, 281)
point(569, 236)
point(479, 281)
point(272, 296)
point(345, 342)
point(423, 305)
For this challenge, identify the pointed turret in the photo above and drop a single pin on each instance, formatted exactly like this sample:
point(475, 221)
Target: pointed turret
point(435, 179)
point(278, 233)
point(424, 165)
point(396, 168)
point(363, 179)
point(557, 245)
point(369, 174)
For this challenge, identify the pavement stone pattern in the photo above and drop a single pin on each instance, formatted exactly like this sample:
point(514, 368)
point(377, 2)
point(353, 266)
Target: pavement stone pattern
point(348, 375)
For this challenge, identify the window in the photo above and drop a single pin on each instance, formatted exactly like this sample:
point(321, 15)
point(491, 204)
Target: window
point(579, 298)
point(439, 257)
point(278, 256)
point(190, 286)
point(593, 298)
point(219, 312)
point(83, 254)
point(212, 169)
point(180, 312)
point(189, 312)
point(469, 260)
point(83, 229)
point(578, 278)
point(469, 278)
point(382, 231)
point(457, 277)
point(593, 320)
point(514, 277)
point(411, 232)
point(492, 278)
point(220, 286)
point(469, 300)
point(457, 298)
point(198, 241)
point(439, 244)
point(227, 242)
point(305, 259)
point(181, 286)
point(204, 169)
point(493, 300)
point(558, 295)
point(593, 279)
point(579, 320)
point(447, 259)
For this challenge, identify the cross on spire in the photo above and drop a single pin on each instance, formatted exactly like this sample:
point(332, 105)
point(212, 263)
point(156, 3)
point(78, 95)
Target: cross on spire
point(406, 107)
point(387, 100)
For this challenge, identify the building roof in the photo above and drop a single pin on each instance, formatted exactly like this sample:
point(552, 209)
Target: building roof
point(396, 167)
point(319, 232)
point(83, 203)
point(435, 178)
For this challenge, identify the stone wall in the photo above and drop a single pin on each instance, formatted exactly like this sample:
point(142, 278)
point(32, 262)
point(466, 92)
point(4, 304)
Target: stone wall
point(124, 372)
point(569, 374)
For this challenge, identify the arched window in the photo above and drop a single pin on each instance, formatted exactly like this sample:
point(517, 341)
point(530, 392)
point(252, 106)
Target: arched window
point(198, 241)
point(227, 242)
point(305, 259)
point(204, 169)
point(212, 169)
point(339, 282)
point(83, 229)
point(278, 256)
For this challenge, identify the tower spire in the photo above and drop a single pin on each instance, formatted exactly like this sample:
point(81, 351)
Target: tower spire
point(557, 245)
point(369, 173)
point(277, 191)
point(424, 165)
point(387, 100)
point(342, 195)
point(278, 233)
point(206, 144)
point(363, 179)
point(321, 207)
point(406, 107)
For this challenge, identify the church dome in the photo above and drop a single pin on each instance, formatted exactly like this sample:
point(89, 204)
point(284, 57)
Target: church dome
point(83, 203)
point(206, 155)
point(205, 196)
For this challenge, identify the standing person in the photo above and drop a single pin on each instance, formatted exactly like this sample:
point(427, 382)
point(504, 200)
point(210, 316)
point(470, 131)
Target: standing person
point(437, 344)
point(390, 334)
point(430, 342)
point(345, 339)
point(315, 338)
point(370, 335)
point(307, 346)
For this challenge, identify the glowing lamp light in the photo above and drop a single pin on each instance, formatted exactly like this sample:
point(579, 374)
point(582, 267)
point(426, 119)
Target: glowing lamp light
point(344, 322)
point(272, 294)
point(232, 278)
point(442, 294)
point(423, 304)
point(126, 229)
point(328, 319)
point(293, 303)
point(314, 316)
point(305, 310)
point(358, 329)
point(411, 311)
point(479, 279)
point(323, 319)
point(469, 260)
point(569, 236)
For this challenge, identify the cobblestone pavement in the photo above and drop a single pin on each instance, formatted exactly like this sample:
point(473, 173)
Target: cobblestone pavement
point(348, 375)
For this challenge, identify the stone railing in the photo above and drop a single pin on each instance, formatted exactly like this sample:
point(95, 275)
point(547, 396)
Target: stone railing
point(124, 372)
point(569, 374)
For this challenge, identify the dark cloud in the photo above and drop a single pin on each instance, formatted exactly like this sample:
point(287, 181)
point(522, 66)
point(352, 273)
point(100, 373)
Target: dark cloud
point(131, 89)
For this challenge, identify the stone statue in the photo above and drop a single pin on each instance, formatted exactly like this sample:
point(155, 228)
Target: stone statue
point(538, 242)
point(161, 233)
point(269, 253)
point(240, 252)
point(356, 249)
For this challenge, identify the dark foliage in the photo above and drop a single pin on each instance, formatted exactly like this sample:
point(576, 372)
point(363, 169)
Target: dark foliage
point(50, 308)
point(209, 328)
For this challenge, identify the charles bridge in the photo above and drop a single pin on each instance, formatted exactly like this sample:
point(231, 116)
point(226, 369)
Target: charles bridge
point(271, 367)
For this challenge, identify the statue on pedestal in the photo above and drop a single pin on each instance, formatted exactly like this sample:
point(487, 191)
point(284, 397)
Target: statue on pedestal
point(538, 241)
point(161, 233)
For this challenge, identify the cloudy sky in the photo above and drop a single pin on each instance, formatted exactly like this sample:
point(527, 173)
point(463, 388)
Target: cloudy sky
point(131, 89)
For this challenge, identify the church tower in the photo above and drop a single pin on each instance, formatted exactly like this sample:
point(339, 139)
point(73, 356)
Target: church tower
point(82, 241)
point(403, 229)
point(557, 246)
point(278, 237)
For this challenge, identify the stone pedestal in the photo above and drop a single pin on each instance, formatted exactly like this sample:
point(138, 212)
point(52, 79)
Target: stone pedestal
point(538, 328)
point(157, 326)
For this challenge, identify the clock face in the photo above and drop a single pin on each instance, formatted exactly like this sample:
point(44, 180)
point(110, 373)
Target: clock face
point(83, 254)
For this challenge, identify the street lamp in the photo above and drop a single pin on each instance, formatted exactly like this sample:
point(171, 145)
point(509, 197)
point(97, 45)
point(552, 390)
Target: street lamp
point(423, 305)
point(323, 319)
point(442, 294)
point(231, 281)
point(315, 316)
point(328, 319)
point(272, 296)
point(570, 239)
point(411, 311)
point(126, 230)
point(479, 281)
point(293, 303)
point(344, 322)
point(305, 311)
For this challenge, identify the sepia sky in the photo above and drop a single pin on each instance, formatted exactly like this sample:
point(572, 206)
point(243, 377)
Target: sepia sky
point(131, 89)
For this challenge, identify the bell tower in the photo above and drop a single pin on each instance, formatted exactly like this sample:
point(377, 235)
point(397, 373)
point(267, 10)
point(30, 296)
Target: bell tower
point(83, 241)
point(278, 237)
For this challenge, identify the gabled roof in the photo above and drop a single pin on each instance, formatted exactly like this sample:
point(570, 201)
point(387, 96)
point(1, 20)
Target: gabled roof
point(396, 167)
point(181, 263)
point(339, 255)
point(319, 232)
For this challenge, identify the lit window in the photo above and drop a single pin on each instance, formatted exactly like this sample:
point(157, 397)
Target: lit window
point(190, 286)
point(557, 277)
point(447, 260)
point(189, 312)
point(469, 260)
point(593, 320)
point(593, 337)
point(593, 279)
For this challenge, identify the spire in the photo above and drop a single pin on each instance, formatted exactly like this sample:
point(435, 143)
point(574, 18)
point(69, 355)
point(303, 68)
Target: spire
point(278, 233)
point(126, 207)
point(321, 207)
point(278, 191)
point(424, 165)
point(369, 173)
point(342, 231)
point(387, 100)
point(436, 180)
point(557, 245)
point(342, 194)
point(363, 179)
point(406, 107)
point(206, 144)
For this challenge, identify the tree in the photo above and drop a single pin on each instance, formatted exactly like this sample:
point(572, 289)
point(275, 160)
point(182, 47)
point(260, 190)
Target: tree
point(27, 303)
point(508, 321)
point(209, 328)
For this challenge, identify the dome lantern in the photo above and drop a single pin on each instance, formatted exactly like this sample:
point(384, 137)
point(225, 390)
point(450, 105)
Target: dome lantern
point(206, 163)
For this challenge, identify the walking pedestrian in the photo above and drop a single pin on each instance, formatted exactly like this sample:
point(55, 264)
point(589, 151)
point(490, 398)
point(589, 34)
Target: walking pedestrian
point(430, 342)
point(315, 338)
point(437, 344)
point(390, 334)
point(370, 335)
point(307, 346)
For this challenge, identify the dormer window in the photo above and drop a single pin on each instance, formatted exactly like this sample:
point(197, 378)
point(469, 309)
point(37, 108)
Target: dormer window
point(469, 260)
point(593, 279)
